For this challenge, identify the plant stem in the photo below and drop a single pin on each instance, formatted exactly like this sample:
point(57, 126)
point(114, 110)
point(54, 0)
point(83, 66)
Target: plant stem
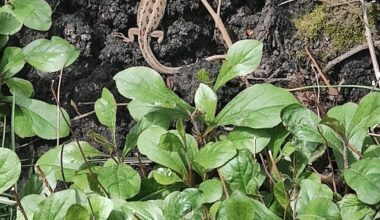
point(19, 204)
point(4, 132)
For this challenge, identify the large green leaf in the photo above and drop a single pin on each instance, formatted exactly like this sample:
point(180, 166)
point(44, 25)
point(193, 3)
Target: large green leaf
point(212, 190)
point(215, 154)
point(258, 106)
point(148, 144)
point(12, 61)
point(72, 159)
point(255, 140)
point(311, 191)
point(242, 58)
point(241, 207)
point(320, 208)
point(351, 208)
point(40, 118)
point(77, 212)
point(105, 109)
point(205, 100)
point(56, 206)
point(10, 168)
point(50, 55)
point(9, 24)
point(144, 210)
point(243, 173)
point(147, 86)
point(18, 86)
point(29, 204)
point(302, 123)
point(121, 181)
point(101, 207)
point(177, 205)
point(34, 14)
point(364, 177)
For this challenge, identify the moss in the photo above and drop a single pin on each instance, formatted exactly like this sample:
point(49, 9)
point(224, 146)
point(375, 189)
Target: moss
point(310, 25)
point(342, 26)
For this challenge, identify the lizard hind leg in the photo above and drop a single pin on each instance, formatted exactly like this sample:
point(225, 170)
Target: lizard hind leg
point(158, 34)
point(131, 35)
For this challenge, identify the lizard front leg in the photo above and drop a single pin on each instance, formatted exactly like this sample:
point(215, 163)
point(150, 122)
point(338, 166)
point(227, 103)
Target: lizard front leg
point(132, 32)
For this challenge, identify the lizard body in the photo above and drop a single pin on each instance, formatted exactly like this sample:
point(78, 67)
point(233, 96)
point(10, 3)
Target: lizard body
point(149, 16)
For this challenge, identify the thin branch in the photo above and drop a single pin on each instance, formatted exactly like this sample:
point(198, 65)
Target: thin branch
point(334, 86)
point(332, 91)
point(43, 178)
point(218, 22)
point(266, 170)
point(371, 46)
point(222, 180)
point(18, 203)
point(346, 55)
point(61, 163)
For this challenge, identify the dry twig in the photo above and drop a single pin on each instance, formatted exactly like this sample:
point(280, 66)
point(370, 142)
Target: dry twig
point(218, 22)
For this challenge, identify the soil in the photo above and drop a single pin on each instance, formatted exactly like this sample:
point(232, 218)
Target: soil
point(190, 36)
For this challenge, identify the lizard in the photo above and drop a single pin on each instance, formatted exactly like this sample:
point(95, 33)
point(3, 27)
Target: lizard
point(149, 16)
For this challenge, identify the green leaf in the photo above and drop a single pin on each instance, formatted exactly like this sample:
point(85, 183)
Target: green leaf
point(56, 205)
point(105, 109)
point(344, 114)
point(32, 186)
point(9, 24)
point(364, 177)
point(154, 119)
point(72, 159)
point(302, 123)
point(29, 204)
point(336, 125)
point(144, 210)
point(311, 191)
point(205, 100)
point(351, 208)
point(281, 194)
point(254, 140)
point(147, 86)
point(40, 118)
point(215, 154)
point(19, 86)
point(242, 58)
point(147, 144)
point(165, 176)
point(366, 115)
point(121, 181)
point(320, 208)
point(212, 190)
point(12, 61)
point(241, 207)
point(100, 206)
point(243, 173)
point(50, 55)
point(3, 40)
point(372, 151)
point(10, 169)
point(77, 212)
point(180, 204)
point(34, 14)
point(258, 106)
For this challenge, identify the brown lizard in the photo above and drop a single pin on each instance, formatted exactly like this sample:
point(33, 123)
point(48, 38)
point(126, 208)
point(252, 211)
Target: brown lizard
point(149, 15)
